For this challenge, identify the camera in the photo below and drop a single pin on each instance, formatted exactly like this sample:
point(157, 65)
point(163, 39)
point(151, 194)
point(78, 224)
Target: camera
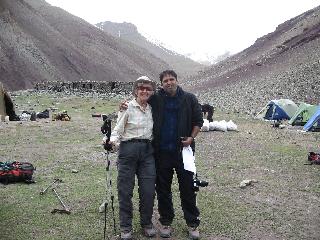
point(199, 183)
point(106, 129)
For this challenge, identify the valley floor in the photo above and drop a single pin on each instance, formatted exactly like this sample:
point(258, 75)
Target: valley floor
point(282, 204)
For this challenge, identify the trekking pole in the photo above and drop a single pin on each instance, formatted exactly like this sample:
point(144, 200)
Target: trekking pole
point(109, 196)
point(106, 129)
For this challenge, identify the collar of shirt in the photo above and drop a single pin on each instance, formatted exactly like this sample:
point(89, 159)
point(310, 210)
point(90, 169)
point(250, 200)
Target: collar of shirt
point(136, 104)
point(164, 93)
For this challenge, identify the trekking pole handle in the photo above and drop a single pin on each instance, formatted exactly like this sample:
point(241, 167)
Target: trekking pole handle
point(51, 184)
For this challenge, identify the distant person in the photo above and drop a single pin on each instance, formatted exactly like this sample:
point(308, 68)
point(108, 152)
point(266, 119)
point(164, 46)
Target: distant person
point(134, 131)
point(207, 110)
point(177, 121)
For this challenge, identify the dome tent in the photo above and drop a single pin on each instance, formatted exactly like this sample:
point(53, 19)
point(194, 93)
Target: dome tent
point(314, 121)
point(303, 114)
point(278, 110)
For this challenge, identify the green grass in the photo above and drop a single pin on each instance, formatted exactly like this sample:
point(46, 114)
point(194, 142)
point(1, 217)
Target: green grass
point(282, 205)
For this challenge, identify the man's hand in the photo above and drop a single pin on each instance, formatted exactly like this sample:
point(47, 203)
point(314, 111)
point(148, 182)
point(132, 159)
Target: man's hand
point(123, 106)
point(186, 141)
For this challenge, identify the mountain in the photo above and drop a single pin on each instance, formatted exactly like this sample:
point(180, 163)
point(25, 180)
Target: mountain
point(281, 64)
point(39, 42)
point(129, 32)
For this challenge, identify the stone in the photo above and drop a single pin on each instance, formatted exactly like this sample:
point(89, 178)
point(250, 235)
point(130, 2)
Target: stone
point(247, 182)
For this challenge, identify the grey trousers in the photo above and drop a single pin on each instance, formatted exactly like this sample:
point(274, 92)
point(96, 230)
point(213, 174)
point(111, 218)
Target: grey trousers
point(135, 158)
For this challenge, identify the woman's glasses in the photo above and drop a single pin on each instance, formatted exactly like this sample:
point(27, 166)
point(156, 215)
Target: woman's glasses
point(142, 88)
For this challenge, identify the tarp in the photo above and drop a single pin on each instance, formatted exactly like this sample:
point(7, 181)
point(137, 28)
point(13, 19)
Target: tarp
point(303, 114)
point(278, 109)
point(2, 103)
point(313, 121)
point(6, 105)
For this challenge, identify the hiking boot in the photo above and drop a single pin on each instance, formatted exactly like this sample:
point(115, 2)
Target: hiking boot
point(165, 231)
point(193, 233)
point(149, 231)
point(126, 235)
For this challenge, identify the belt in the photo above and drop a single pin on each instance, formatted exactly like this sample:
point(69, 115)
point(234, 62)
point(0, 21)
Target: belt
point(136, 140)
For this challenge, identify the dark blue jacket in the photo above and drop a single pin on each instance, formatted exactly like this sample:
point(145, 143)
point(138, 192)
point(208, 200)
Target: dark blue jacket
point(189, 115)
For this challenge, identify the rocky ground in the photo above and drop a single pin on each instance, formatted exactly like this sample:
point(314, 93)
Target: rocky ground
point(300, 85)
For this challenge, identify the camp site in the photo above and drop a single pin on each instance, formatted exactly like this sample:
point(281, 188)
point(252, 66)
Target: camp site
point(283, 193)
point(231, 134)
point(306, 115)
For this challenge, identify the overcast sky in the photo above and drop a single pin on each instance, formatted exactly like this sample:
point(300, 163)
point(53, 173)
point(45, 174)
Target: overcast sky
point(188, 26)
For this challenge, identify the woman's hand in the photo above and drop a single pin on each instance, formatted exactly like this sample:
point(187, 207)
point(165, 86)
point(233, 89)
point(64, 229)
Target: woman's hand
point(109, 146)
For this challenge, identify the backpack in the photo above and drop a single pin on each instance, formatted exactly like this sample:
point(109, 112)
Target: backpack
point(314, 158)
point(16, 172)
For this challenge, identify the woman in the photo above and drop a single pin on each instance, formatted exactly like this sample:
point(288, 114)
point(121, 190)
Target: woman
point(134, 132)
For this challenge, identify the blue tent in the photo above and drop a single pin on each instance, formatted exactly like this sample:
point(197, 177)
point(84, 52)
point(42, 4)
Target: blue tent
point(275, 112)
point(278, 109)
point(314, 120)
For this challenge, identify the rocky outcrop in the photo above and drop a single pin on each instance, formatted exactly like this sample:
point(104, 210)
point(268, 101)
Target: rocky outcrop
point(86, 86)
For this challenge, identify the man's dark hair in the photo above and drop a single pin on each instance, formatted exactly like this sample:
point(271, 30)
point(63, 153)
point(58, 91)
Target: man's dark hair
point(168, 72)
point(206, 108)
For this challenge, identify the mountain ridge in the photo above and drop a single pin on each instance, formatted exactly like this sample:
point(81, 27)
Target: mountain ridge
point(39, 42)
point(281, 64)
point(129, 32)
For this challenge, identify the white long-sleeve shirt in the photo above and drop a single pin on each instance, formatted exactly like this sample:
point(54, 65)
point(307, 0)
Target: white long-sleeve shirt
point(135, 122)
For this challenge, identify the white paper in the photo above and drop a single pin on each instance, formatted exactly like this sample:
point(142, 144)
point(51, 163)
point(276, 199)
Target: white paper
point(188, 159)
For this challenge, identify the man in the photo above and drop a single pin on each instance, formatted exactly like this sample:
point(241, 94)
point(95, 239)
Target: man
point(177, 121)
point(207, 109)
